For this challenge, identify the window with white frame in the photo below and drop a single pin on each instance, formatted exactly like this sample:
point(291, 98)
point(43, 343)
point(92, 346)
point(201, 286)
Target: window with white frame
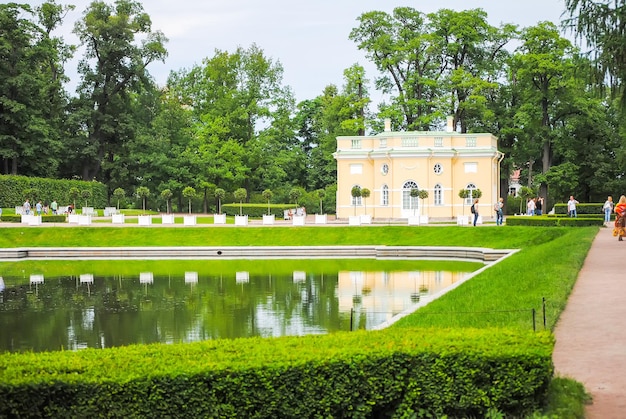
point(438, 141)
point(438, 194)
point(356, 143)
point(471, 167)
point(384, 196)
point(382, 143)
point(438, 168)
point(470, 142)
point(470, 198)
point(409, 202)
point(356, 200)
point(356, 169)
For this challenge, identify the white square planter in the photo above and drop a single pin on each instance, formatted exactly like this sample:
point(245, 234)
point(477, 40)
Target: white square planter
point(84, 220)
point(26, 218)
point(109, 211)
point(219, 218)
point(414, 220)
point(298, 220)
point(423, 219)
point(268, 219)
point(354, 220)
point(144, 220)
point(117, 218)
point(88, 211)
point(241, 220)
point(189, 220)
point(72, 218)
point(366, 219)
point(462, 220)
point(35, 220)
point(320, 218)
point(167, 218)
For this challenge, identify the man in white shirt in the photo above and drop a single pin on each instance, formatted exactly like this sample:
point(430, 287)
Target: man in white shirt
point(571, 206)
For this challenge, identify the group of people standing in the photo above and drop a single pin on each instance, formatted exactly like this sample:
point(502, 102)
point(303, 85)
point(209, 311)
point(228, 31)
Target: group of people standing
point(534, 206)
point(40, 208)
point(619, 209)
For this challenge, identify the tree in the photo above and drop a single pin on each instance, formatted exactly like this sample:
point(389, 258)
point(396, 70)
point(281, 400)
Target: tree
point(415, 193)
point(464, 194)
point(422, 194)
point(600, 24)
point(295, 194)
point(119, 45)
point(320, 194)
point(189, 193)
point(356, 193)
point(119, 194)
point(241, 194)
point(86, 194)
point(166, 194)
point(143, 193)
point(365, 193)
point(74, 193)
point(219, 194)
point(267, 195)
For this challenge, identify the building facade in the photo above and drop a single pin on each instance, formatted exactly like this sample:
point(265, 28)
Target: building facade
point(391, 164)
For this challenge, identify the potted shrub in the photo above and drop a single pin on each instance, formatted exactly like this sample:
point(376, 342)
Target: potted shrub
point(241, 194)
point(365, 218)
point(356, 193)
point(295, 194)
point(423, 194)
point(269, 217)
point(414, 219)
point(219, 218)
point(119, 195)
point(143, 193)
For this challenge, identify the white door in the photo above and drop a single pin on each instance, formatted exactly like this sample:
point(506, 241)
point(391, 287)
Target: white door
point(409, 204)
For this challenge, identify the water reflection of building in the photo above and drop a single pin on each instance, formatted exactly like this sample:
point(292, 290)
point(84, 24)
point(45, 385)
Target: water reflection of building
point(390, 292)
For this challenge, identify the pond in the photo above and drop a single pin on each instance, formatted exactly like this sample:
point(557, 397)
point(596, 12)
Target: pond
point(69, 305)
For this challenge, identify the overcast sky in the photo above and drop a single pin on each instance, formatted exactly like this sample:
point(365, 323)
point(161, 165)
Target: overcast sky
point(310, 39)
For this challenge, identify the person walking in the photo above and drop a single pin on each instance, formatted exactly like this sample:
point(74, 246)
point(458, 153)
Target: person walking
point(54, 206)
point(498, 208)
point(474, 210)
point(608, 209)
point(571, 207)
point(620, 219)
point(539, 206)
point(530, 206)
point(26, 207)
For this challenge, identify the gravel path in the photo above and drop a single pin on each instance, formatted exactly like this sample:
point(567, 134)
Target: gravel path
point(590, 335)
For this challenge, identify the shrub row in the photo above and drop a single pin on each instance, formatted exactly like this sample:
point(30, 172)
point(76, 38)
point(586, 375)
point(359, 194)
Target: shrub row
point(548, 221)
point(14, 190)
point(256, 210)
point(12, 218)
point(581, 209)
point(395, 372)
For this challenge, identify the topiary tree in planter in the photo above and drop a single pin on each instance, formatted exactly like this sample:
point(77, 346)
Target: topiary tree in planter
point(464, 194)
point(119, 194)
point(143, 192)
point(267, 195)
point(320, 194)
point(356, 193)
point(415, 193)
point(241, 194)
point(295, 194)
point(166, 194)
point(189, 193)
point(219, 194)
point(86, 194)
point(365, 193)
point(74, 194)
point(422, 194)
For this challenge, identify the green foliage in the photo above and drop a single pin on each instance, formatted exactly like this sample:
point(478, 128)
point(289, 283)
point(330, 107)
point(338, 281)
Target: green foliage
point(119, 195)
point(189, 193)
point(267, 195)
point(13, 188)
point(143, 193)
point(548, 221)
point(363, 372)
point(166, 195)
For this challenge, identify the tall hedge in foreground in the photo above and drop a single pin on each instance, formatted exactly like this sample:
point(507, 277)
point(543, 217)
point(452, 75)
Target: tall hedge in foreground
point(12, 189)
point(389, 373)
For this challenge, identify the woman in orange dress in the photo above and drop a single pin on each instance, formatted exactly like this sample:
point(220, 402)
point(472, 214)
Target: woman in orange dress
point(620, 218)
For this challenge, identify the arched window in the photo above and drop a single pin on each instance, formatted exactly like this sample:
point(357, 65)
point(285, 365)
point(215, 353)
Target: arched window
point(471, 188)
point(438, 198)
point(408, 202)
point(356, 200)
point(384, 196)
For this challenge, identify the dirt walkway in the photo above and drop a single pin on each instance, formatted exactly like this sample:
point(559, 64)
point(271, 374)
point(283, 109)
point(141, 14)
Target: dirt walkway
point(591, 335)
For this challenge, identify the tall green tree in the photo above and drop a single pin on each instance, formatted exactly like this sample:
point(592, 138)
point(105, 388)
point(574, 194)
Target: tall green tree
point(119, 44)
point(32, 100)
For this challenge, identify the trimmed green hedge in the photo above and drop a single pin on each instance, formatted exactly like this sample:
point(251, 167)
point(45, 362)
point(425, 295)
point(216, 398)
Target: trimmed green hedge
point(552, 221)
point(581, 209)
point(256, 210)
point(12, 218)
point(13, 191)
point(395, 372)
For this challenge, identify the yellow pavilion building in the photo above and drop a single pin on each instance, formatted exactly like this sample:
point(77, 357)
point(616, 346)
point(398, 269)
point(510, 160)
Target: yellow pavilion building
point(391, 164)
